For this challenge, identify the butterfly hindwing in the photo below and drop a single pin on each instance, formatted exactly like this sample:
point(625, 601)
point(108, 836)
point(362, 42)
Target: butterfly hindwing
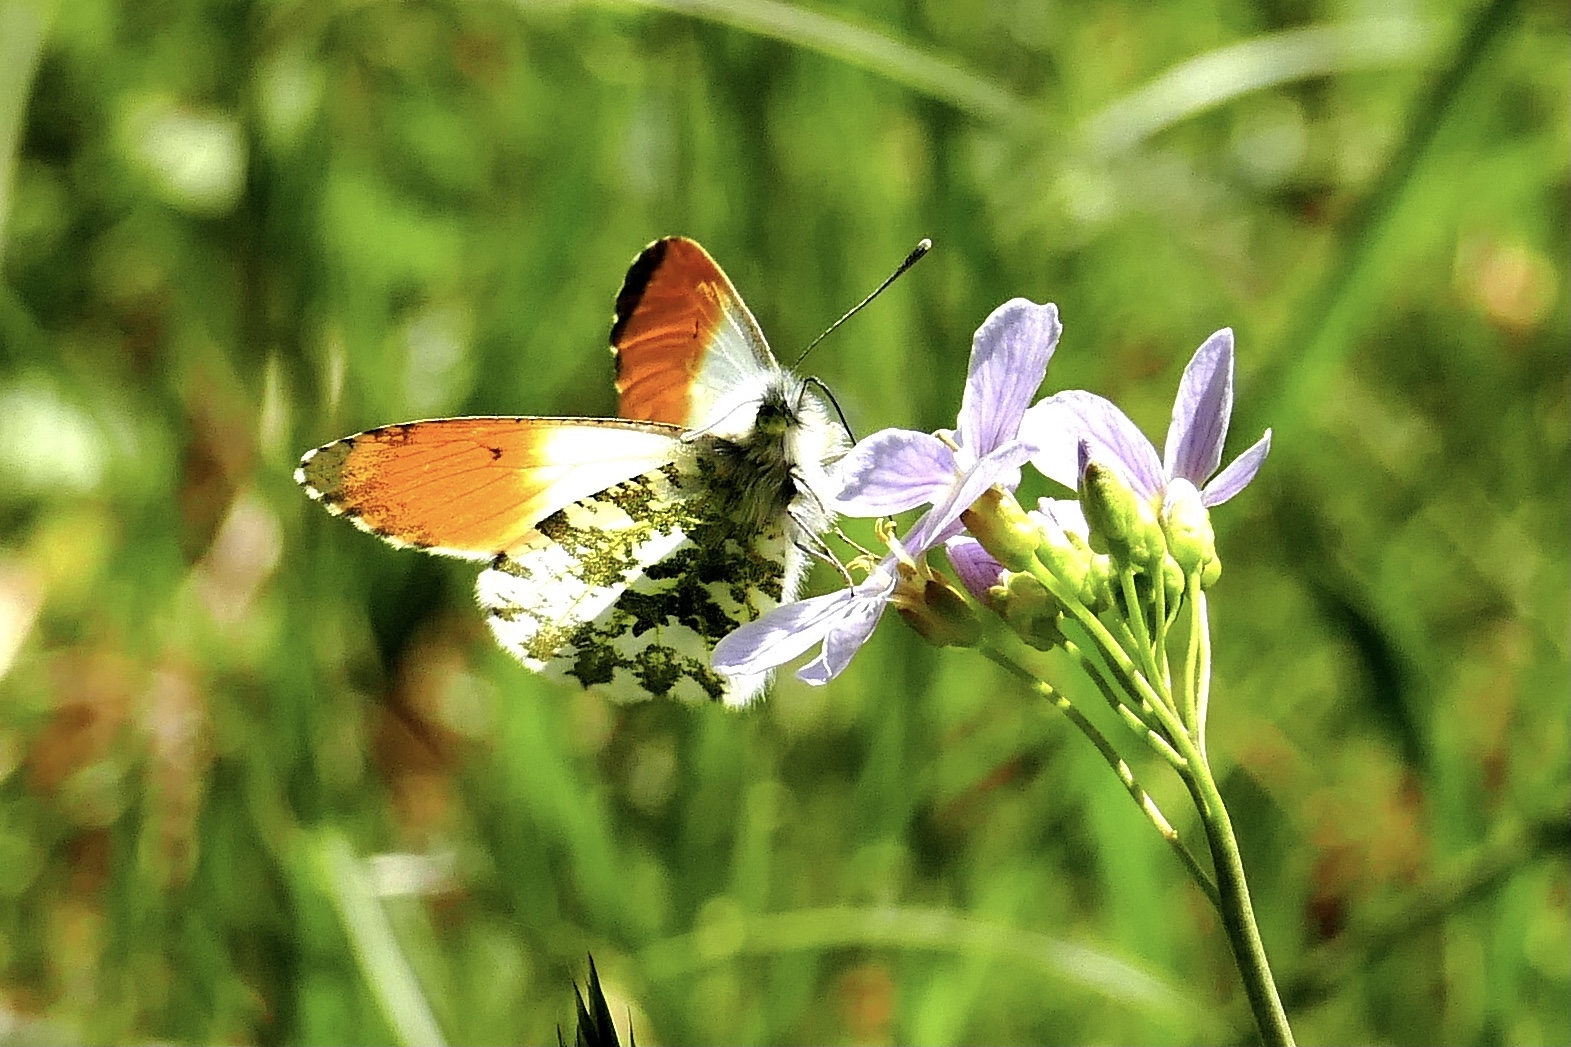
point(629, 590)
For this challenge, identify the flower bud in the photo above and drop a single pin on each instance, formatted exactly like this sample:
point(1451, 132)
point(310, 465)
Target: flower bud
point(1062, 553)
point(1187, 525)
point(938, 611)
point(1097, 590)
point(1029, 609)
point(1124, 520)
point(1003, 528)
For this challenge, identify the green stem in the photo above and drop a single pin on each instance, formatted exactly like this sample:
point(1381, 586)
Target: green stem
point(1124, 637)
point(1233, 903)
point(1238, 914)
point(1202, 628)
point(1159, 620)
point(1117, 657)
point(1152, 702)
point(1142, 727)
point(1134, 612)
point(1137, 792)
point(1188, 693)
point(1118, 699)
point(1014, 660)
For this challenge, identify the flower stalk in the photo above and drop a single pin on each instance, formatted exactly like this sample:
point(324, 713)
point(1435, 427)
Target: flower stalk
point(1178, 735)
point(1002, 647)
point(1235, 907)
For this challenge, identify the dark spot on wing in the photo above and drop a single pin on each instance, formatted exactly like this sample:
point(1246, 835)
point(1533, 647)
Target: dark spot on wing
point(394, 434)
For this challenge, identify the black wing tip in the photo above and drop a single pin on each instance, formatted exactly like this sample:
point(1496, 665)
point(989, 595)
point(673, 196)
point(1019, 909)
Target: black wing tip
point(317, 468)
point(636, 282)
point(304, 461)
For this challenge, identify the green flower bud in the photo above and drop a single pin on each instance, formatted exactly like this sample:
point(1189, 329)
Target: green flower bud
point(1187, 524)
point(1029, 609)
point(1005, 531)
point(1097, 590)
point(1064, 554)
point(1121, 518)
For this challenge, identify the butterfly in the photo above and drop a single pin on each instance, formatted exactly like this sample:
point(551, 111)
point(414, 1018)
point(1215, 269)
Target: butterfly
point(620, 550)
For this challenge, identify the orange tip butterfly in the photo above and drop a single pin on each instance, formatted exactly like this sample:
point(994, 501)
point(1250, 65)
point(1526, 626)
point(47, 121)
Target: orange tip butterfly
point(620, 550)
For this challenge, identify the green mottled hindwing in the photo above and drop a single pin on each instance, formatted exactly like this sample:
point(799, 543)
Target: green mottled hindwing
point(628, 591)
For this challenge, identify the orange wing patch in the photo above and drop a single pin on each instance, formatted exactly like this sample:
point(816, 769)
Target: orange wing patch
point(476, 487)
point(674, 304)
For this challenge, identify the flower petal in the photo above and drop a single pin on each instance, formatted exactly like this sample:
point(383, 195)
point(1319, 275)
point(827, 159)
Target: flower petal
point(1238, 473)
point(841, 644)
point(780, 635)
point(1009, 358)
point(891, 471)
point(1058, 424)
point(1000, 466)
point(977, 571)
point(1201, 411)
point(851, 630)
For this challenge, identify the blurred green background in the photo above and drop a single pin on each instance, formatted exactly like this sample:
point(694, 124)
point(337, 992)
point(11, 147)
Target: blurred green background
point(263, 779)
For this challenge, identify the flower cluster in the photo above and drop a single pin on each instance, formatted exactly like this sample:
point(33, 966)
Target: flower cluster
point(1101, 579)
point(1139, 517)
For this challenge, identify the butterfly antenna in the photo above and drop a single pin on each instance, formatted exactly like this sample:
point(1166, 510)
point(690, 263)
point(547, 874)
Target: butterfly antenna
point(924, 246)
point(829, 395)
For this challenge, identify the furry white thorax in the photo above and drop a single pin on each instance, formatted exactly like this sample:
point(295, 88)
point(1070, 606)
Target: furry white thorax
point(771, 437)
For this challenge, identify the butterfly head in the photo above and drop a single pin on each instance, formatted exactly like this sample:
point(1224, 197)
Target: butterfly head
point(770, 439)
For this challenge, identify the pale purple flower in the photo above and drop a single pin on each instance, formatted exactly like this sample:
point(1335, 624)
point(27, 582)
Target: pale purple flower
point(974, 565)
point(899, 469)
point(1201, 412)
point(841, 621)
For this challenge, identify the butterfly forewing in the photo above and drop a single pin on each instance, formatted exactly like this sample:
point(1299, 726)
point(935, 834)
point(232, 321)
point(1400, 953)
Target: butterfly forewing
point(476, 487)
point(628, 591)
point(683, 337)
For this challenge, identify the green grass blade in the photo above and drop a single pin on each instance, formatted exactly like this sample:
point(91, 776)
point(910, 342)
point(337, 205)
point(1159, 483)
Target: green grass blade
point(877, 52)
point(387, 971)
